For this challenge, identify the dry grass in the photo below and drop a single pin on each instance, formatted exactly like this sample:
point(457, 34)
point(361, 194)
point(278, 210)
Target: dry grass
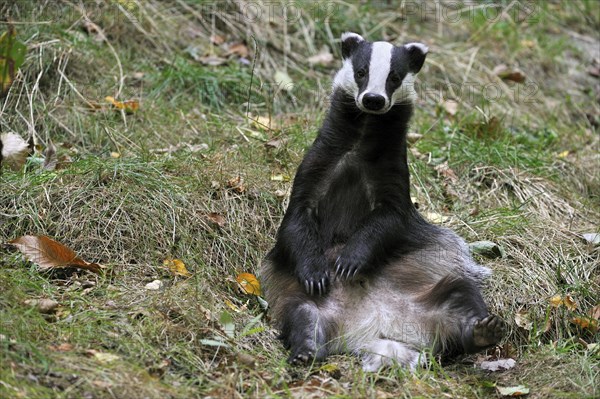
point(515, 185)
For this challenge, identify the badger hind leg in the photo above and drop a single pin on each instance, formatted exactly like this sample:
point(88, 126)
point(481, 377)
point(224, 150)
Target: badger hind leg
point(384, 352)
point(484, 333)
point(303, 332)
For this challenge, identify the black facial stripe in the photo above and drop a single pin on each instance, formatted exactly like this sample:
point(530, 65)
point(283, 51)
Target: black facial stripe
point(399, 68)
point(361, 60)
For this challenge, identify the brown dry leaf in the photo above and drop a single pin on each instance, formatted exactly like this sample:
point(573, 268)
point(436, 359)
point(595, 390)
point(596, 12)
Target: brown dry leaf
point(569, 302)
point(445, 170)
point(212, 60)
point(435, 217)
point(236, 184)
point(263, 123)
point(280, 177)
point(217, 40)
point(129, 106)
point(44, 305)
point(249, 283)
point(275, 143)
point(64, 347)
point(216, 218)
point(451, 106)
point(506, 73)
point(93, 30)
point(523, 320)
point(239, 49)
point(102, 357)
point(14, 150)
point(586, 323)
point(49, 254)
point(177, 267)
point(413, 137)
point(556, 301)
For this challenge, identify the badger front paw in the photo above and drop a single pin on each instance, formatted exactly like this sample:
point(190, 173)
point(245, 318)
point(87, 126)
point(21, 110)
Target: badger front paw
point(315, 279)
point(348, 267)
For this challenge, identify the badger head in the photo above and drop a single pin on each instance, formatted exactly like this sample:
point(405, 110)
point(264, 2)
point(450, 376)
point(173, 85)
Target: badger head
point(378, 75)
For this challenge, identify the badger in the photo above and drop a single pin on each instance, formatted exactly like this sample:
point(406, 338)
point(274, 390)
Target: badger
point(355, 267)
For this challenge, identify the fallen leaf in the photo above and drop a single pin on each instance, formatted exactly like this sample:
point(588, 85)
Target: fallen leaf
point(496, 365)
point(451, 106)
point(154, 285)
point(528, 43)
point(177, 267)
point(275, 143)
point(505, 73)
point(488, 249)
point(216, 218)
point(12, 55)
point(585, 322)
point(44, 305)
point(595, 312)
point(129, 106)
point(246, 359)
point(323, 57)
point(232, 306)
point(13, 150)
point(64, 347)
point(217, 39)
point(93, 30)
point(283, 80)
point(249, 283)
point(212, 60)
point(280, 177)
point(556, 301)
point(49, 254)
point(236, 184)
point(592, 238)
point(569, 302)
point(413, 137)
point(50, 159)
point(523, 320)
point(239, 49)
point(444, 170)
point(435, 217)
point(102, 357)
point(263, 122)
point(518, 390)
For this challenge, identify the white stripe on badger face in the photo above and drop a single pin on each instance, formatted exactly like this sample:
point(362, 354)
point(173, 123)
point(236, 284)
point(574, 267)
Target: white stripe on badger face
point(379, 69)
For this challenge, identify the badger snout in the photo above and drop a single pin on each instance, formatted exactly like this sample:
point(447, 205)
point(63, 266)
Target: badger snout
point(373, 102)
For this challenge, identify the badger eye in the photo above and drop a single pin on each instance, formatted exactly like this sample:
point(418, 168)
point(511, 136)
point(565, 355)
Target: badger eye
point(395, 79)
point(361, 73)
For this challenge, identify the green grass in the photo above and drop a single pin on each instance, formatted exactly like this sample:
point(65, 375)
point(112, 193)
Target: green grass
point(524, 164)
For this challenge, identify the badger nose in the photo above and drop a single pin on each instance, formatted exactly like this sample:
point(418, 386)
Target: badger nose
point(373, 102)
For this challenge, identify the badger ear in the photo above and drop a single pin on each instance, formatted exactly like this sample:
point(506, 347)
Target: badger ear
point(416, 55)
point(350, 42)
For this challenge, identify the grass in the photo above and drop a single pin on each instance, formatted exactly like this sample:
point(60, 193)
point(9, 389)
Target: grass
point(135, 189)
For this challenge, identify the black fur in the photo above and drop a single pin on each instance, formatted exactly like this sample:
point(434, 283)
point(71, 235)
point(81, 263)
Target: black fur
point(351, 190)
point(351, 225)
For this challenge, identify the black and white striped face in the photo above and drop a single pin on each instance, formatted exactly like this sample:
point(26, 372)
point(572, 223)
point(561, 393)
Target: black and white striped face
point(378, 74)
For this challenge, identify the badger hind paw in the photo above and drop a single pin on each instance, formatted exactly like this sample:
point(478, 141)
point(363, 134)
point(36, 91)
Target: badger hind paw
point(488, 331)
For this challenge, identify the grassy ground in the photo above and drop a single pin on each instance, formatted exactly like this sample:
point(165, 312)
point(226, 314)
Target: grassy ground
point(189, 176)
